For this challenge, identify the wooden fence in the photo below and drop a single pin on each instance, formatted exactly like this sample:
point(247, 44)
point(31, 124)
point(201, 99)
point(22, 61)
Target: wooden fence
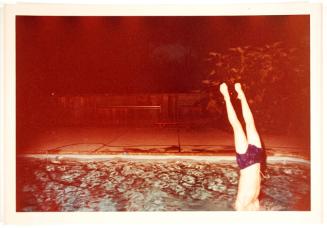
point(146, 109)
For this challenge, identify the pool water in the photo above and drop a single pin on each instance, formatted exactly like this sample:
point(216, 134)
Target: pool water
point(121, 184)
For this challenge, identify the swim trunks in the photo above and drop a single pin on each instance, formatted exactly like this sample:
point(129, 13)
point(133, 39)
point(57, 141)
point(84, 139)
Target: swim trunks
point(252, 155)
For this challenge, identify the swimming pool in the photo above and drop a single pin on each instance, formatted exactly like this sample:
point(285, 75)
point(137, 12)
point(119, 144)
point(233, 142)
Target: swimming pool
point(129, 184)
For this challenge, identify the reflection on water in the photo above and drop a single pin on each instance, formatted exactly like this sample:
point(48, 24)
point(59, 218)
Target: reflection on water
point(151, 185)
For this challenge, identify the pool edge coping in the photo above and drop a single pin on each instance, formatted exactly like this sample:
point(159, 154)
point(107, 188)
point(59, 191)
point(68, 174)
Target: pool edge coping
point(156, 157)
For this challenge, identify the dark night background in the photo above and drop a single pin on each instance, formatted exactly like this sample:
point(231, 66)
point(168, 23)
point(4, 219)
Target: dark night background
point(134, 54)
point(67, 55)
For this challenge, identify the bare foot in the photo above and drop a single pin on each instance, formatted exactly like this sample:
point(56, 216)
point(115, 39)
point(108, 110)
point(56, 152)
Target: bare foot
point(239, 90)
point(224, 90)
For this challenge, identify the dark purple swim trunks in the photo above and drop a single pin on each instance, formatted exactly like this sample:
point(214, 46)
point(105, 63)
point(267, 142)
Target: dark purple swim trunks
point(253, 155)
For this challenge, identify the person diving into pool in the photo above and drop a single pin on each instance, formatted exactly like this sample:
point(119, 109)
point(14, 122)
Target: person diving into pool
point(249, 153)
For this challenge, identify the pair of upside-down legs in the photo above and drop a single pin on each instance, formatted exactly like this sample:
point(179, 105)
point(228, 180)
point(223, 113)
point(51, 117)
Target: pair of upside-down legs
point(249, 182)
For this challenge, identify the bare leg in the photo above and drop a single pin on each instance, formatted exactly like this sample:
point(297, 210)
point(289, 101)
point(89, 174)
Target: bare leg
point(249, 183)
point(240, 140)
point(251, 131)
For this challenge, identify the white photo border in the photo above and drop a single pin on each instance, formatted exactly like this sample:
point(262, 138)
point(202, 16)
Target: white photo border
point(300, 217)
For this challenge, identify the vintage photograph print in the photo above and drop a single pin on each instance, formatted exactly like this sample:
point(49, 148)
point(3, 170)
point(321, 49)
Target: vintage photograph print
point(162, 113)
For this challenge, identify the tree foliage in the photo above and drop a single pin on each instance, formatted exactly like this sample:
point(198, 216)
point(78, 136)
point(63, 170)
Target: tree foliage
point(274, 77)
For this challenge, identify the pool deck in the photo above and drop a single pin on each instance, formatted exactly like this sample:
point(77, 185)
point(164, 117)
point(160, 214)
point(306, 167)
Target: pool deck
point(157, 141)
